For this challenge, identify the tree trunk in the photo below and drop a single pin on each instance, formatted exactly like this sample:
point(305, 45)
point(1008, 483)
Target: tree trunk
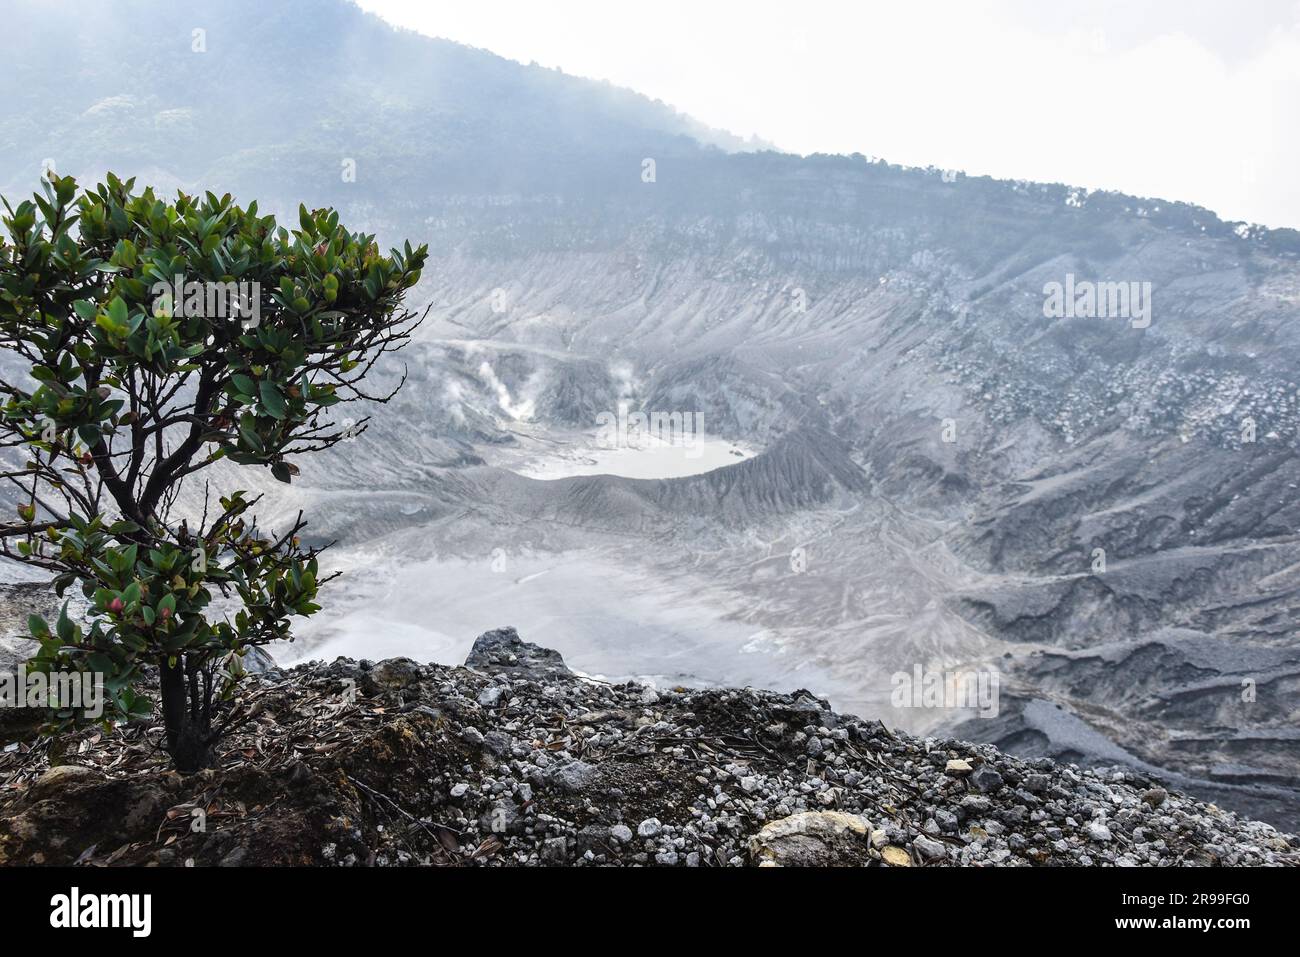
point(185, 721)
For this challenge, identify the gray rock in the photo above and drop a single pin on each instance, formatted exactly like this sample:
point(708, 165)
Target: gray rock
point(929, 848)
point(1098, 831)
point(986, 779)
point(975, 804)
point(396, 674)
point(555, 851)
point(1037, 783)
point(257, 660)
point(574, 776)
point(502, 651)
point(1155, 796)
point(235, 858)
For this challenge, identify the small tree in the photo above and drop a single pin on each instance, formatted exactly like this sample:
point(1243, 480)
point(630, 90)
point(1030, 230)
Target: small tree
point(162, 338)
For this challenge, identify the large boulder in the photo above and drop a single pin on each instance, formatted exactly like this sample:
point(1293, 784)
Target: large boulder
point(502, 651)
point(396, 674)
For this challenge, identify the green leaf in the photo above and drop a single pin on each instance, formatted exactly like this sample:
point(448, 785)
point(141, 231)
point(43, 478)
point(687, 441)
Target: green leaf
point(248, 432)
point(64, 625)
point(272, 400)
point(117, 311)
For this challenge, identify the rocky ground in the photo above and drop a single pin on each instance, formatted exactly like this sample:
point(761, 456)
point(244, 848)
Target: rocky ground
point(514, 760)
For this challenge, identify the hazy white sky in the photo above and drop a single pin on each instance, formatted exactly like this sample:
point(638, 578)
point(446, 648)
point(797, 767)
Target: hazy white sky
point(1194, 100)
